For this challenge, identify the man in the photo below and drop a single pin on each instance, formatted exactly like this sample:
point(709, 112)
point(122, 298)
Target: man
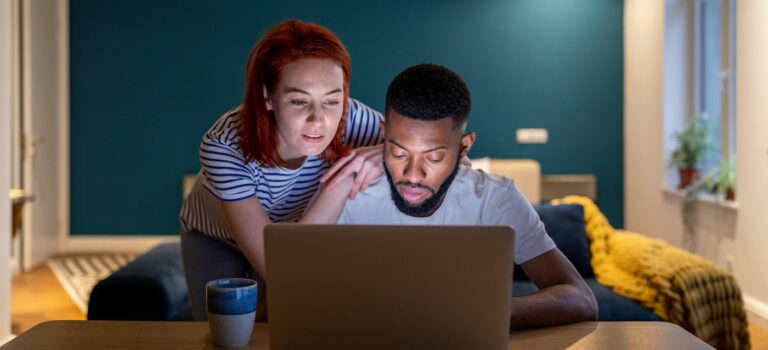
point(427, 108)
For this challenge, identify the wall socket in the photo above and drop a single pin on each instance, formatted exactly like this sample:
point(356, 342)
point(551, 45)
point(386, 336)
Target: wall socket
point(532, 136)
point(729, 262)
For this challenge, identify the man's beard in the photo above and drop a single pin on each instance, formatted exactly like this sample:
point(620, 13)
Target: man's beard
point(429, 205)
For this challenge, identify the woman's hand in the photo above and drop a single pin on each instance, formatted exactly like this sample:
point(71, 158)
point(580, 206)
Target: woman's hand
point(366, 163)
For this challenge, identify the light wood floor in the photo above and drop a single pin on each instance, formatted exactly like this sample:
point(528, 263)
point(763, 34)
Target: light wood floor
point(759, 337)
point(37, 296)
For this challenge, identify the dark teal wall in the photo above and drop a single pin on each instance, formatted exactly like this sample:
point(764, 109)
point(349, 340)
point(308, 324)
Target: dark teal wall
point(149, 77)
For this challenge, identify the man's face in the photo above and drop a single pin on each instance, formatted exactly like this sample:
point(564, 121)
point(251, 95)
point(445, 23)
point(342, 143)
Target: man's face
point(421, 158)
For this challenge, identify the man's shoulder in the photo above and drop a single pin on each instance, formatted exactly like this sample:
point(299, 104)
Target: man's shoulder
point(482, 184)
point(374, 205)
point(486, 195)
point(377, 190)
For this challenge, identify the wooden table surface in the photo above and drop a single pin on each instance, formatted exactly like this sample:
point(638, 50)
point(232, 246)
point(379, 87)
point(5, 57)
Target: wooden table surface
point(87, 335)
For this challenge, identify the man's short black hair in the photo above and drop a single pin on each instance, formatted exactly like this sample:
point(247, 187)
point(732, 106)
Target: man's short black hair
point(429, 92)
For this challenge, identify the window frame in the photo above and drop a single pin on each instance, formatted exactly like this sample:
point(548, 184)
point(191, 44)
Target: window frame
point(727, 137)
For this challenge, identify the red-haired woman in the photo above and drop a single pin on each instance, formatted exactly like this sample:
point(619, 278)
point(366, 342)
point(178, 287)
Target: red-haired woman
point(263, 161)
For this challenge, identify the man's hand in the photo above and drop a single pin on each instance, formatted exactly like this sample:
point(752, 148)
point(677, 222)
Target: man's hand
point(366, 163)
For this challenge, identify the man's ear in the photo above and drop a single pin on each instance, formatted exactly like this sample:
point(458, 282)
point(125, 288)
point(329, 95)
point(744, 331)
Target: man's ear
point(267, 100)
point(466, 142)
point(382, 127)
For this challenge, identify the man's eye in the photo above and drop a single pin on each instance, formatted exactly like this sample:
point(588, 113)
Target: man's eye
point(297, 102)
point(332, 102)
point(399, 156)
point(435, 160)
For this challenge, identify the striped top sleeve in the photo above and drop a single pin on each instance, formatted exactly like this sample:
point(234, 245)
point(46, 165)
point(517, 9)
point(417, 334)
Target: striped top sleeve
point(228, 177)
point(363, 125)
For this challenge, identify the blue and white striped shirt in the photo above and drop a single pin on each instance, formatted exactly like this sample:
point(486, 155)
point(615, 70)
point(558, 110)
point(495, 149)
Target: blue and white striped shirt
point(283, 193)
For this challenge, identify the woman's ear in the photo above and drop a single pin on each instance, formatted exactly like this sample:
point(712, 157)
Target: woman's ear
point(466, 142)
point(267, 100)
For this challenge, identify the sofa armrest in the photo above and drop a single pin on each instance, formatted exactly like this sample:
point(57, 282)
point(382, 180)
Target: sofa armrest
point(152, 287)
point(525, 172)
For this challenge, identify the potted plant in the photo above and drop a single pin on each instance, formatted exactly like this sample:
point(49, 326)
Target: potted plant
point(691, 192)
point(725, 184)
point(692, 144)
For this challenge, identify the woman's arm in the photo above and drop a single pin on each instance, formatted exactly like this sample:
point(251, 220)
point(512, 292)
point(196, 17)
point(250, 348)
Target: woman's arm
point(246, 219)
point(365, 164)
point(364, 133)
point(329, 204)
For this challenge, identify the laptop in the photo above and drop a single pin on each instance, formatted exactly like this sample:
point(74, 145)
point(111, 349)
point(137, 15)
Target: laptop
point(388, 287)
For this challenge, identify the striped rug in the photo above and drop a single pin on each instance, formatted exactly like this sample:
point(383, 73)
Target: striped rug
point(79, 273)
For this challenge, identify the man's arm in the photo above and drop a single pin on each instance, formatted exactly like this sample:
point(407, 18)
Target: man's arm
point(563, 296)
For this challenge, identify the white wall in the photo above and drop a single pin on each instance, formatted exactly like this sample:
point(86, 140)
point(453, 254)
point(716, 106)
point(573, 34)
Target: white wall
point(733, 239)
point(751, 239)
point(6, 163)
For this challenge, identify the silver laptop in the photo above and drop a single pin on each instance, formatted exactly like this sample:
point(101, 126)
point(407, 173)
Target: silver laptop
point(388, 287)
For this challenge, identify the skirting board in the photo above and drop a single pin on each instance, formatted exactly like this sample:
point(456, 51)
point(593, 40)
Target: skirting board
point(117, 244)
point(757, 311)
point(7, 339)
point(14, 267)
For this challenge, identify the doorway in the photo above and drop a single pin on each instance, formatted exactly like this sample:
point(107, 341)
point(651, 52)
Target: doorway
point(40, 136)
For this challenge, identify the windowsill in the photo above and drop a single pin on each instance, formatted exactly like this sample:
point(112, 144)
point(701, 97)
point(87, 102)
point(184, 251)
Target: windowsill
point(703, 198)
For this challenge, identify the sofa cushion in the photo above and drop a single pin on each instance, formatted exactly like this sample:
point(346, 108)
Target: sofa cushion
point(565, 224)
point(611, 306)
point(152, 287)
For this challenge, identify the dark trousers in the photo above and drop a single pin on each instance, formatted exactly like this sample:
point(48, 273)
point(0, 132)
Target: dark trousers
point(206, 259)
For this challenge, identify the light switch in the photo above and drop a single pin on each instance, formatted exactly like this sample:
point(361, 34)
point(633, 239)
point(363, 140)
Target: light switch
point(532, 135)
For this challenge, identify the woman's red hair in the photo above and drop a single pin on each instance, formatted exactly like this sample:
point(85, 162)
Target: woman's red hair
point(287, 42)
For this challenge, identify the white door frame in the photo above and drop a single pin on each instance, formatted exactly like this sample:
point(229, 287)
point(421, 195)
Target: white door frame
point(6, 161)
point(16, 176)
point(44, 101)
point(64, 183)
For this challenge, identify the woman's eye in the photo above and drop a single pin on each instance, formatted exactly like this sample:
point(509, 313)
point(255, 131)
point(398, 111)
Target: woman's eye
point(298, 102)
point(332, 103)
point(399, 156)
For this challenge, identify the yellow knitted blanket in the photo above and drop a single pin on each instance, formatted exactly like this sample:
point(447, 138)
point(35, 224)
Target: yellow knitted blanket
point(678, 286)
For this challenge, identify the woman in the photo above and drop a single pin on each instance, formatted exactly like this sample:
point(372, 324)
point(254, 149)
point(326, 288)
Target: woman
point(263, 161)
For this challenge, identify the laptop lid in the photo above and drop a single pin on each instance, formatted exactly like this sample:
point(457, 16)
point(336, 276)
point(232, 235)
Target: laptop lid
point(388, 287)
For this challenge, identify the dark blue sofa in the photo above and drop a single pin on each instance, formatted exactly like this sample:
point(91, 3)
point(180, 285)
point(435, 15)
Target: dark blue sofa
point(565, 224)
point(152, 287)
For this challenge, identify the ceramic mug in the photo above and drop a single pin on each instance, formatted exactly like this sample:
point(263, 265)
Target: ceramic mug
point(231, 306)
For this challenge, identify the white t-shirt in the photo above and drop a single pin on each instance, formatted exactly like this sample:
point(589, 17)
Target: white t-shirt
point(474, 198)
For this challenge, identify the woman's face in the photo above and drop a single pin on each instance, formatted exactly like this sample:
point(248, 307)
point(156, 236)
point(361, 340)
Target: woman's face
point(308, 103)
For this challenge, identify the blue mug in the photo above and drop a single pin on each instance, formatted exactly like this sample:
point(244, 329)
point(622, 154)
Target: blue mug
point(231, 306)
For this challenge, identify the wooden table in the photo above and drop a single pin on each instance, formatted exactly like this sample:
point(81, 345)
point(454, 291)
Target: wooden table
point(87, 335)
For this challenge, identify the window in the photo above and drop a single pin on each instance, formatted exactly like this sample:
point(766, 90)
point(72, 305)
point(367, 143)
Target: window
point(714, 56)
point(699, 71)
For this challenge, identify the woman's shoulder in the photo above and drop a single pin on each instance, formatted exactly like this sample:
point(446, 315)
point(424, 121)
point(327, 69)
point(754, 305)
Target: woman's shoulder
point(360, 111)
point(362, 128)
point(220, 150)
point(225, 130)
